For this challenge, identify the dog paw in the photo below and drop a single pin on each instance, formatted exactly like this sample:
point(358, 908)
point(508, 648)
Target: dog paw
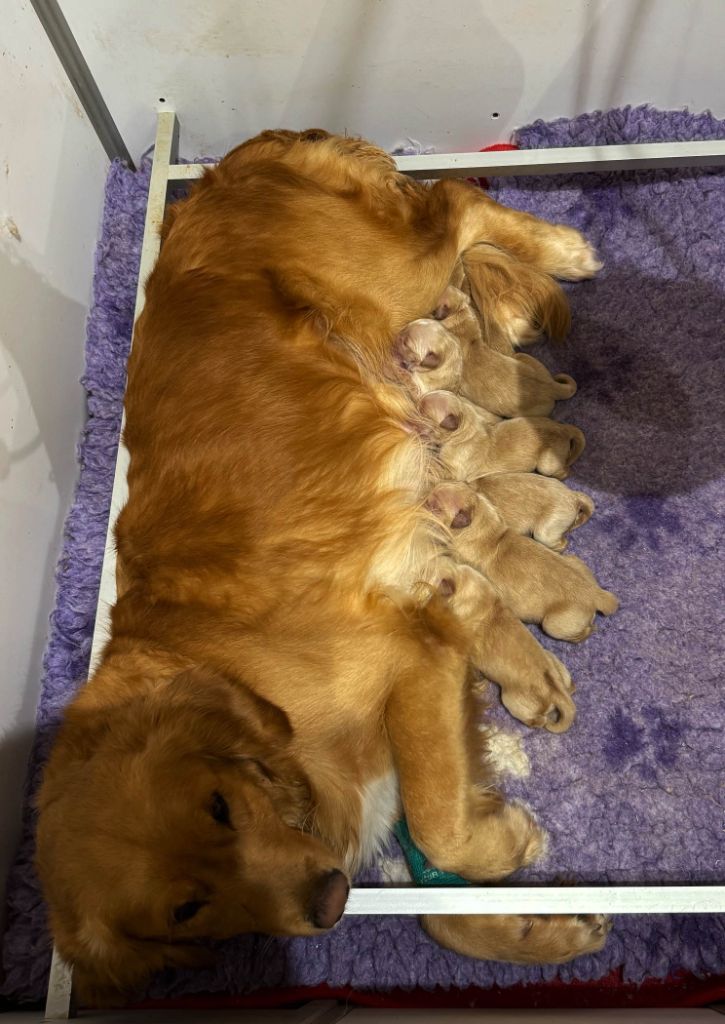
point(561, 937)
point(499, 841)
point(575, 259)
point(542, 700)
point(585, 509)
point(563, 444)
point(449, 303)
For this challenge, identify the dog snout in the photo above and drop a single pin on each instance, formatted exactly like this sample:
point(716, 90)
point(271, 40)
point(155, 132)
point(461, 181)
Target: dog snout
point(328, 901)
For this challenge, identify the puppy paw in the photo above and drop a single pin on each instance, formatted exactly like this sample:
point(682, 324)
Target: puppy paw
point(541, 698)
point(449, 303)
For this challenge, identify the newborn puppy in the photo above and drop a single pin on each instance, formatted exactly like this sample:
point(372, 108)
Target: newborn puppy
point(556, 591)
point(516, 385)
point(475, 443)
point(535, 687)
point(536, 505)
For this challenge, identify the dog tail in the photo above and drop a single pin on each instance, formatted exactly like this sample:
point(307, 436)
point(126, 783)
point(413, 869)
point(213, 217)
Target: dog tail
point(515, 301)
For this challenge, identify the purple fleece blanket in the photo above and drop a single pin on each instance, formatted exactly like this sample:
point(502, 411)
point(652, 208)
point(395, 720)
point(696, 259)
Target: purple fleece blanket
point(634, 792)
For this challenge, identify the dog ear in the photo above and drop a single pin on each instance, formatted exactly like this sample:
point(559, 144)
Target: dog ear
point(230, 722)
point(110, 967)
point(202, 685)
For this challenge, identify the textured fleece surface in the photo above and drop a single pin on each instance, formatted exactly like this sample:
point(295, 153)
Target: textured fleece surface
point(634, 792)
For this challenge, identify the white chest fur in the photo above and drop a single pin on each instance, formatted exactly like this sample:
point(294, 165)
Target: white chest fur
point(380, 801)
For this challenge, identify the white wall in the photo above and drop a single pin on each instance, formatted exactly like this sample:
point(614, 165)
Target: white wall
point(437, 71)
point(52, 171)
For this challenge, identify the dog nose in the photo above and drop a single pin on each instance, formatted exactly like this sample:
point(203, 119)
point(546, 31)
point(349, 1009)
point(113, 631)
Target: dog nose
point(328, 901)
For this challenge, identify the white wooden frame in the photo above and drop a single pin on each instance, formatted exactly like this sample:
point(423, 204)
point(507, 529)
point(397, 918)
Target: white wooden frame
point(411, 900)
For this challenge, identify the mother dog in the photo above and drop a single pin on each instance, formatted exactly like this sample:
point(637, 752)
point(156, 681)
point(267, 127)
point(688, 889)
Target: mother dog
point(276, 681)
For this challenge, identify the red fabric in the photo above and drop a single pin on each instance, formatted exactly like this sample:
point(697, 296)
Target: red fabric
point(680, 990)
point(498, 147)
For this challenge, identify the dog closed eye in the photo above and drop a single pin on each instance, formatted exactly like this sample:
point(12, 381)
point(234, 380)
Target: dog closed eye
point(220, 810)
point(185, 911)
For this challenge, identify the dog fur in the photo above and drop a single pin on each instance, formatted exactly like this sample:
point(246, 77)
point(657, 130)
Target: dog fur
point(556, 591)
point(272, 658)
point(474, 443)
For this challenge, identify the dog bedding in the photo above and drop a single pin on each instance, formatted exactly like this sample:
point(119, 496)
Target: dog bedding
point(634, 792)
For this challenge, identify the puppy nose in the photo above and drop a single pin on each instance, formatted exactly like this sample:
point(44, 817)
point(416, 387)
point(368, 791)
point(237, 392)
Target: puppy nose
point(329, 897)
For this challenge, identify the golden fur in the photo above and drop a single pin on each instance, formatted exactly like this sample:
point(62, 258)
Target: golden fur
point(535, 687)
point(557, 591)
point(536, 505)
point(442, 356)
point(474, 443)
point(269, 661)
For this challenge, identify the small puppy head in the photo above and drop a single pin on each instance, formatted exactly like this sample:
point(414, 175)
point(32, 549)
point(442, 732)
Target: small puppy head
point(454, 504)
point(444, 409)
point(174, 816)
point(450, 302)
point(430, 354)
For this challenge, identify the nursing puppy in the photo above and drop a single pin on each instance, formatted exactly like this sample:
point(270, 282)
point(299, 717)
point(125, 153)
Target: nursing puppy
point(535, 687)
point(558, 592)
point(474, 443)
point(506, 385)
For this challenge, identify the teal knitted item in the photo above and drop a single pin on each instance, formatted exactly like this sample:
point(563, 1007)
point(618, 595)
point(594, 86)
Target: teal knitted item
point(422, 871)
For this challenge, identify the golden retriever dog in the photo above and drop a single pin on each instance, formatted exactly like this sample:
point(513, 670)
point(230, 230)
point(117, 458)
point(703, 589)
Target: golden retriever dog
point(515, 385)
point(474, 443)
point(274, 689)
point(537, 506)
point(558, 592)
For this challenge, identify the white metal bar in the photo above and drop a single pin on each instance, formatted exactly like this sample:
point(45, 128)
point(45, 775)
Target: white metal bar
point(164, 152)
point(58, 1005)
point(601, 899)
point(649, 155)
point(60, 984)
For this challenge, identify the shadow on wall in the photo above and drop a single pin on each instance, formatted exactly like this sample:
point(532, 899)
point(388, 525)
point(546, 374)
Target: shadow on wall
point(38, 325)
point(425, 62)
point(647, 356)
point(42, 340)
point(600, 86)
point(348, 63)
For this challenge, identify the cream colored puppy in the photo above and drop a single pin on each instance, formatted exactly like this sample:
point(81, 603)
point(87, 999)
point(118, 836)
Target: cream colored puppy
point(475, 443)
point(538, 506)
point(535, 687)
point(515, 385)
point(556, 591)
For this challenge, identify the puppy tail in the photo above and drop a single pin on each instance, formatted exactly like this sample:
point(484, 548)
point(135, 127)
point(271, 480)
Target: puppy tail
point(607, 603)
